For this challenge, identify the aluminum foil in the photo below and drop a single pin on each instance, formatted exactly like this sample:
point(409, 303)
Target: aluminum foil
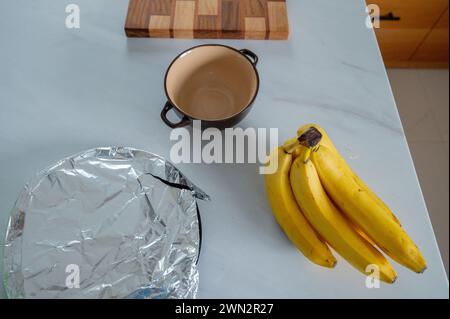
point(124, 222)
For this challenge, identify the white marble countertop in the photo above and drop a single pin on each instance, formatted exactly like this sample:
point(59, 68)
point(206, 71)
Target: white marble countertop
point(63, 91)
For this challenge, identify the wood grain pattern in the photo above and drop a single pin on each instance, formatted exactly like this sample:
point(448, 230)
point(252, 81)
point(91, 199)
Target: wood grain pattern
point(159, 26)
point(255, 28)
point(208, 7)
point(208, 19)
point(183, 20)
point(277, 19)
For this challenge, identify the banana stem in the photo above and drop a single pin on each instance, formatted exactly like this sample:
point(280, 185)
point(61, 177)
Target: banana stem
point(311, 138)
point(306, 154)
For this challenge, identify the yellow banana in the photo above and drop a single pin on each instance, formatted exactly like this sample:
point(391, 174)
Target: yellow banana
point(326, 141)
point(361, 208)
point(331, 224)
point(289, 216)
point(360, 232)
point(292, 145)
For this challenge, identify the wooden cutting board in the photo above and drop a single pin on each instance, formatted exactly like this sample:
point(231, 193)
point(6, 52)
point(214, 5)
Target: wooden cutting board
point(208, 19)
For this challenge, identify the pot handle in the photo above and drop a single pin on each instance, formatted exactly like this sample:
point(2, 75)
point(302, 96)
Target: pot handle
point(250, 55)
point(183, 122)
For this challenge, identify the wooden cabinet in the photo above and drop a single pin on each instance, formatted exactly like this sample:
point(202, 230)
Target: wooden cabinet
point(398, 46)
point(413, 33)
point(433, 51)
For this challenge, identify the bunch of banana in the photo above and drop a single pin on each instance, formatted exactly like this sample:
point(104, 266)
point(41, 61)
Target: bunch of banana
point(317, 199)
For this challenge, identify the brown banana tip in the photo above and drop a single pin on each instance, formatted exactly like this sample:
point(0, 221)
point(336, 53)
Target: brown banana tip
point(394, 280)
point(311, 138)
point(423, 270)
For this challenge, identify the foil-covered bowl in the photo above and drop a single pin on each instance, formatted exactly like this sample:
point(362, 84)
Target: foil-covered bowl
point(110, 222)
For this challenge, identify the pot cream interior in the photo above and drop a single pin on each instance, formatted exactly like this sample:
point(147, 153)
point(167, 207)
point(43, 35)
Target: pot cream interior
point(211, 83)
